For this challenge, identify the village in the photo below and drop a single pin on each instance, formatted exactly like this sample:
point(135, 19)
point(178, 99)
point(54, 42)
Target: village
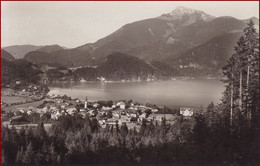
point(108, 113)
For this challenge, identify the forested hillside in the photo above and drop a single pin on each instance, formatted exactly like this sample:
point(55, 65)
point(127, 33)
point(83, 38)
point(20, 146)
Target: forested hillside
point(18, 70)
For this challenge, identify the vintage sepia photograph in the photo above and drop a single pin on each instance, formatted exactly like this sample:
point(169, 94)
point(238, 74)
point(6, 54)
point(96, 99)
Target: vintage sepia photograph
point(130, 83)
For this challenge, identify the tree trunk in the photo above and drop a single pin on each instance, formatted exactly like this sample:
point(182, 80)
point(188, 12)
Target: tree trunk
point(248, 111)
point(240, 90)
point(231, 103)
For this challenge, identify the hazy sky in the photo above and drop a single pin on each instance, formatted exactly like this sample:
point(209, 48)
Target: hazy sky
point(72, 24)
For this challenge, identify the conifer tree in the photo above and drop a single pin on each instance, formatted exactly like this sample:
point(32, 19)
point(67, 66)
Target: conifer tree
point(3, 158)
point(28, 157)
point(242, 72)
point(19, 156)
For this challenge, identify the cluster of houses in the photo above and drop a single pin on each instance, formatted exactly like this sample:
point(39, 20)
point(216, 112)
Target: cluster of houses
point(31, 90)
point(113, 113)
point(28, 94)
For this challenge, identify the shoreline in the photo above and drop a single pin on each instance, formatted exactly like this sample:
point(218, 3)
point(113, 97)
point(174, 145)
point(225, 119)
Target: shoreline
point(137, 81)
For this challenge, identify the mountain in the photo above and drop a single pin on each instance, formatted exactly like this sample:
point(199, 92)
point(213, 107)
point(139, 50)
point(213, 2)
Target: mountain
point(39, 57)
point(207, 58)
point(18, 51)
point(167, 40)
point(68, 57)
point(50, 48)
point(186, 16)
point(201, 32)
point(167, 35)
point(6, 55)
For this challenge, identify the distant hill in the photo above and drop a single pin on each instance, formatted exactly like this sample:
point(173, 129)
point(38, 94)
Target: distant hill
point(164, 71)
point(6, 55)
point(120, 66)
point(255, 19)
point(39, 57)
point(18, 51)
point(50, 48)
point(68, 57)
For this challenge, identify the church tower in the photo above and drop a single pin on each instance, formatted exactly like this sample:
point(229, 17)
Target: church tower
point(86, 103)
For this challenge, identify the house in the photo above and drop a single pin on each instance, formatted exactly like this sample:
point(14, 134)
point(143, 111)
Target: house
point(106, 108)
point(82, 110)
point(154, 110)
point(187, 112)
point(82, 114)
point(142, 116)
point(157, 117)
point(113, 106)
point(116, 114)
point(91, 112)
point(63, 106)
point(29, 112)
point(21, 110)
point(17, 82)
point(95, 105)
point(112, 121)
point(125, 119)
point(133, 115)
point(59, 101)
point(56, 115)
point(71, 110)
point(121, 104)
point(102, 122)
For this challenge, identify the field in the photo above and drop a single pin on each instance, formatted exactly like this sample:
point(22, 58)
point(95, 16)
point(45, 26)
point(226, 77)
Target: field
point(25, 105)
point(18, 127)
point(14, 99)
point(15, 102)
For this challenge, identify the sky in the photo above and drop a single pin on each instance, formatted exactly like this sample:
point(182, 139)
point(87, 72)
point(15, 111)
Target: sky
point(72, 24)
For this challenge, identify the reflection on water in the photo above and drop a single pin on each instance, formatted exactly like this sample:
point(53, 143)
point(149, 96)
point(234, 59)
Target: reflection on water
point(169, 93)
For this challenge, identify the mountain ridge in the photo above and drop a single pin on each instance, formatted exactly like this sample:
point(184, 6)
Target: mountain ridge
point(163, 38)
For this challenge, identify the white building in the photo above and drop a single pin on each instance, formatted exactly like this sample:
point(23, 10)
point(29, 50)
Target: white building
point(121, 105)
point(186, 112)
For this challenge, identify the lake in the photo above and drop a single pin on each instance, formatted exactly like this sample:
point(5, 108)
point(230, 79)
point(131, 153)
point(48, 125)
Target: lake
point(173, 93)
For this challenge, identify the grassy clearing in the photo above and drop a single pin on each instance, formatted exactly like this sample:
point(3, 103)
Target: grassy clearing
point(14, 99)
point(26, 105)
point(18, 127)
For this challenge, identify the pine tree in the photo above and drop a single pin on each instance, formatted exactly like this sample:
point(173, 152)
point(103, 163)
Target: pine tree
point(28, 157)
point(252, 85)
point(3, 158)
point(22, 137)
point(242, 72)
point(200, 130)
point(29, 135)
point(41, 132)
point(124, 130)
point(19, 156)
